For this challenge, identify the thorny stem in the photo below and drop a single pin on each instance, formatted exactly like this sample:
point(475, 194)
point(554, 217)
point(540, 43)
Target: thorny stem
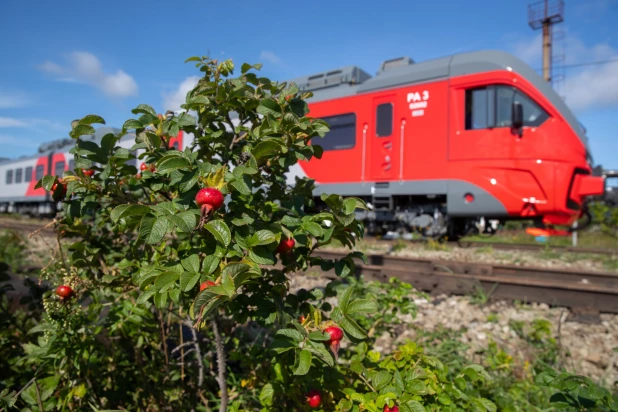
point(200, 363)
point(221, 366)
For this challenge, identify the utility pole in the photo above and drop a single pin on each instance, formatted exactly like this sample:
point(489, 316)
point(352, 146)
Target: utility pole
point(543, 15)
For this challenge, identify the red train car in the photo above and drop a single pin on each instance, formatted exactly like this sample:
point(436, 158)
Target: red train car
point(450, 144)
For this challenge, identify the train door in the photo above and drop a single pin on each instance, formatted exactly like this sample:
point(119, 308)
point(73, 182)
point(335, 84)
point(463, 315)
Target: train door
point(382, 157)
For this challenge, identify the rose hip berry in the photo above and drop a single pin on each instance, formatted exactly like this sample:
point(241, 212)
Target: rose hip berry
point(64, 292)
point(314, 398)
point(336, 334)
point(206, 284)
point(286, 245)
point(209, 196)
point(395, 408)
point(88, 172)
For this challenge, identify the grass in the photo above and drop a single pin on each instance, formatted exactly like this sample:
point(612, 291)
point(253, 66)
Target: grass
point(584, 239)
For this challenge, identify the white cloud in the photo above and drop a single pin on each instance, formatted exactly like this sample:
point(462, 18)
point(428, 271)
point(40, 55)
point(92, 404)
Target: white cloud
point(84, 67)
point(11, 122)
point(585, 87)
point(175, 99)
point(13, 100)
point(270, 57)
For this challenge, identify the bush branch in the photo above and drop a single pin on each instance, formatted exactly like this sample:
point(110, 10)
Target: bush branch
point(221, 366)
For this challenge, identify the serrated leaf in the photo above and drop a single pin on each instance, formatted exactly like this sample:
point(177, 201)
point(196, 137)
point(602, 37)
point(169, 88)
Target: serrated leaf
point(266, 395)
point(172, 163)
point(144, 108)
point(265, 148)
point(188, 280)
point(304, 363)
point(344, 299)
point(47, 182)
point(128, 210)
point(362, 306)
point(269, 106)
point(291, 333)
point(282, 345)
point(261, 256)
point(228, 284)
point(81, 130)
point(415, 406)
point(185, 221)
point(164, 279)
point(319, 336)
point(313, 228)
point(381, 379)
point(210, 264)
point(152, 230)
point(489, 405)
point(261, 237)
point(351, 327)
point(220, 231)
point(191, 263)
point(91, 119)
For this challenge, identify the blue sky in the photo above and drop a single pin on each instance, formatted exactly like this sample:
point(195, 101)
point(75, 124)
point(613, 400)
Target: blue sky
point(67, 59)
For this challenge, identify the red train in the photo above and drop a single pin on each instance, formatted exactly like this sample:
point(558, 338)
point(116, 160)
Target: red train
point(446, 146)
point(449, 144)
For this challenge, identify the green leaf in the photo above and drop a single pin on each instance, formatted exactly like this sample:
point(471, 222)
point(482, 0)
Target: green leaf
point(81, 130)
point(269, 106)
point(291, 333)
point(319, 349)
point(304, 363)
point(128, 210)
point(489, 405)
point(265, 148)
point(144, 108)
point(266, 395)
point(345, 299)
point(172, 163)
point(188, 280)
point(185, 221)
point(228, 284)
point(352, 328)
point(48, 182)
point(362, 306)
point(132, 124)
point(261, 256)
point(381, 379)
point(152, 230)
point(210, 264)
point(262, 237)
point(220, 231)
point(319, 336)
point(91, 119)
point(415, 406)
point(192, 263)
point(165, 279)
point(313, 228)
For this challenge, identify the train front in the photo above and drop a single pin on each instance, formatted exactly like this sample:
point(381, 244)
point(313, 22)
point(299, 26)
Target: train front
point(575, 183)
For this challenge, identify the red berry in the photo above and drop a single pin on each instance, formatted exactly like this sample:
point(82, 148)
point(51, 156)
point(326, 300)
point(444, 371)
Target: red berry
point(336, 334)
point(143, 167)
point(395, 408)
point(314, 398)
point(286, 245)
point(54, 187)
point(302, 318)
point(209, 196)
point(88, 172)
point(152, 168)
point(206, 285)
point(64, 292)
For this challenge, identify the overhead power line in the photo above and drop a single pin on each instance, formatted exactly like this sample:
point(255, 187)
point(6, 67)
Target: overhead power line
point(568, 66)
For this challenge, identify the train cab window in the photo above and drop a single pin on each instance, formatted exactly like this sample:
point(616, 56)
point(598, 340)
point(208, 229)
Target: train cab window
point(28, 174)
point(175, 146)
point(40, 170)
point(18, 175)
point(534, 115)
point(59, 168)
point(342, 134)
point(384, 120)
point(9, 177)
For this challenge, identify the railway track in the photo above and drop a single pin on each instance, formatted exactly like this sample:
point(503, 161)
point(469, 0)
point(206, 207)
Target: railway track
point(26, 226)
point(596, 291)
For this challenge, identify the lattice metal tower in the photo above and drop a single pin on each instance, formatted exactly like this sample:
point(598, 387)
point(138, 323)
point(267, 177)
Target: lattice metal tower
point(544, 15)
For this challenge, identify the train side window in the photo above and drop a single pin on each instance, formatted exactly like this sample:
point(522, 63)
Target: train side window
point(71, 164)
point(342, 134)
point(9, 177)
point(18, 175)
point(477, 109)
point(28, 174)
point(40, 170)
point(59, 168)
point(384, 120)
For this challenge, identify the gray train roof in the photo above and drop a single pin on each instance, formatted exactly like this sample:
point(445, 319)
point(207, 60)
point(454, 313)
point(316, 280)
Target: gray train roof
point(410, 72)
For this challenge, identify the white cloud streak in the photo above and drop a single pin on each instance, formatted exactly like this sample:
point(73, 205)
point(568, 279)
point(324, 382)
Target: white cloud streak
point(86, 68)
point(173, 100)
